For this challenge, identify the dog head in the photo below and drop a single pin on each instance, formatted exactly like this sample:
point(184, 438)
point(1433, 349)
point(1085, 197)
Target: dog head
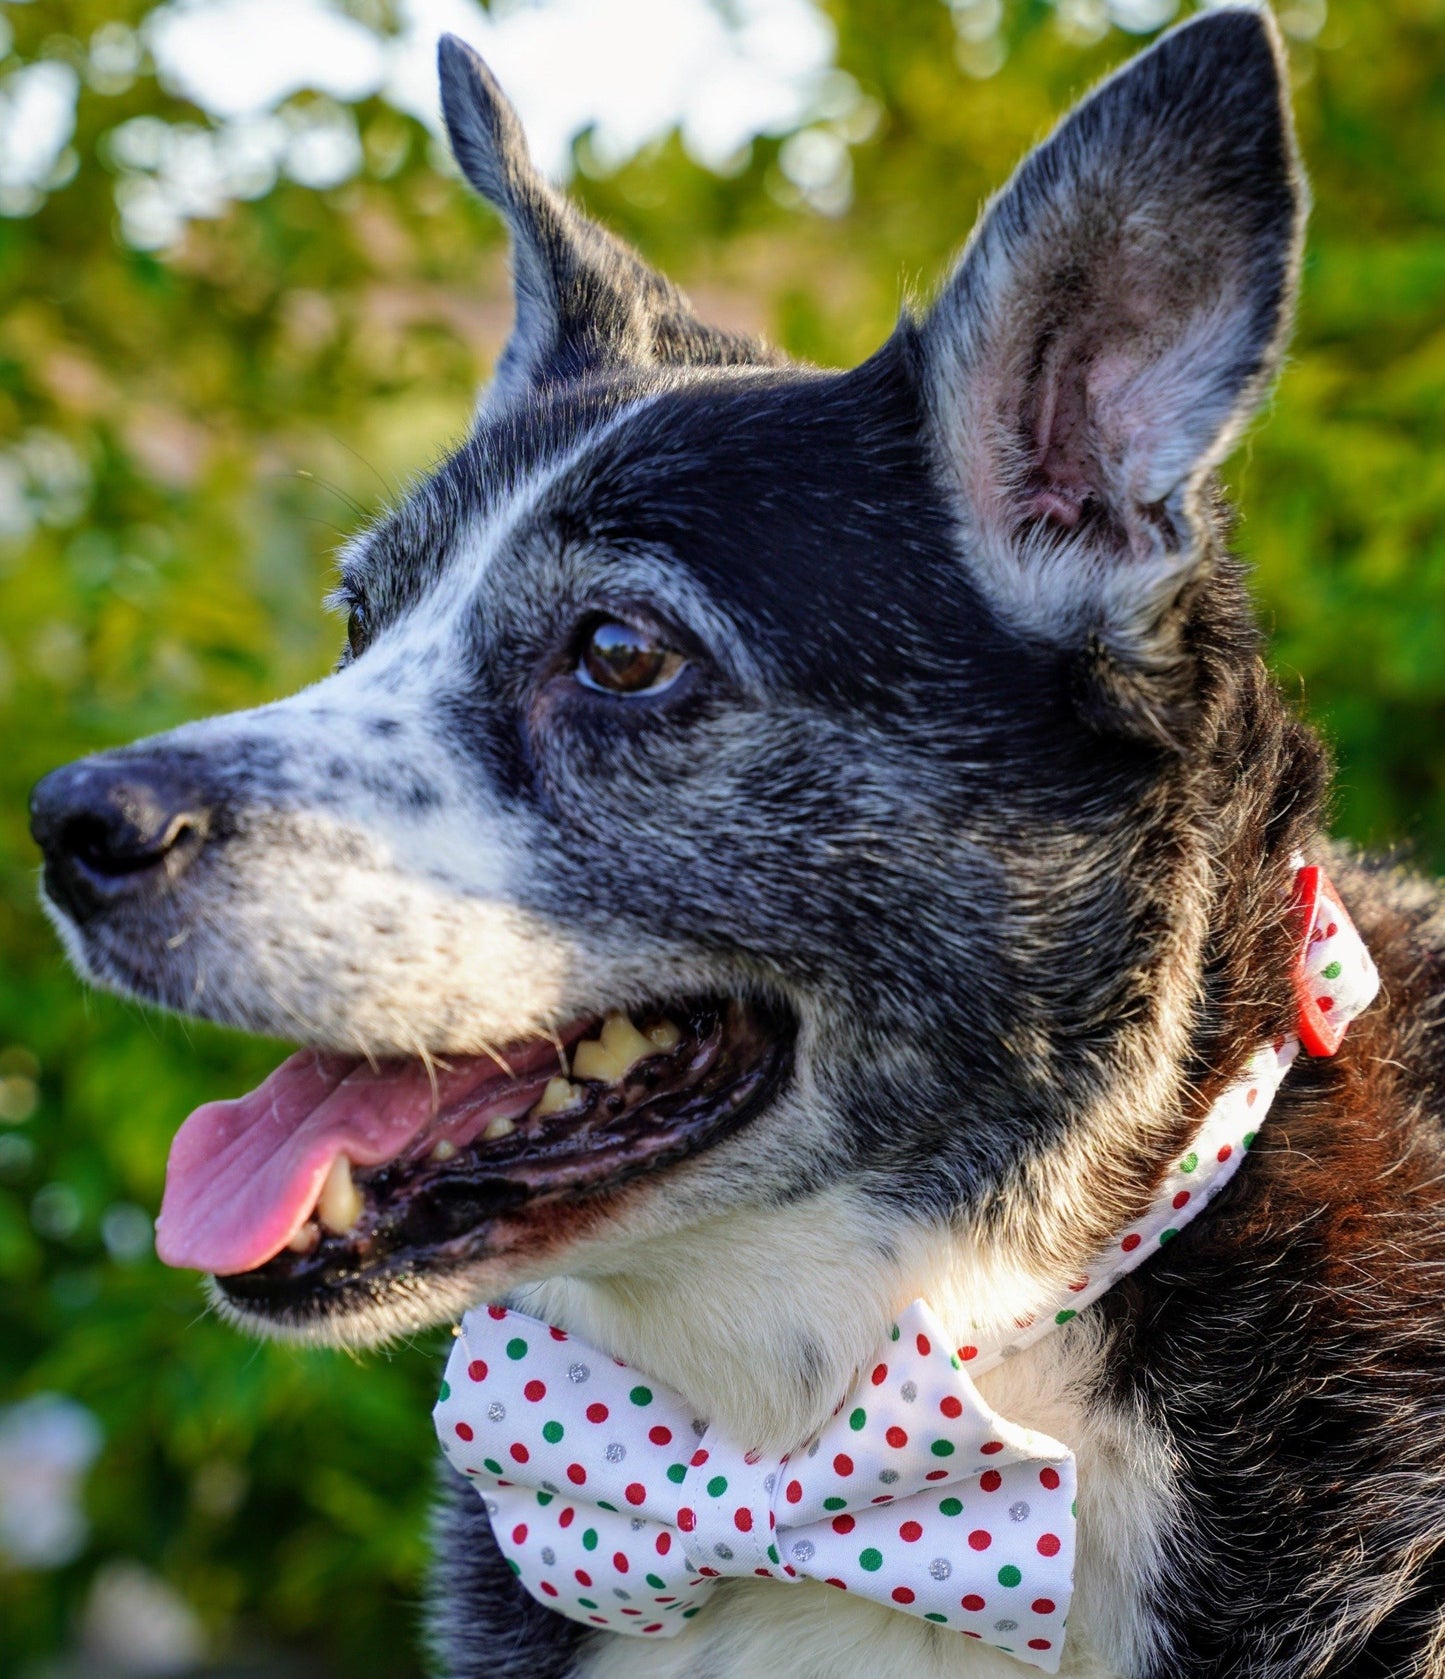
point(753, 798)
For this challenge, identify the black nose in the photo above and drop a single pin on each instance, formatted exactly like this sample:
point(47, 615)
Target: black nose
point(116, 828)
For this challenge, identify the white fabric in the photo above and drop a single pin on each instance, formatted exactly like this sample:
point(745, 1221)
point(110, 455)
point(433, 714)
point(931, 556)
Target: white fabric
point(618, 1508)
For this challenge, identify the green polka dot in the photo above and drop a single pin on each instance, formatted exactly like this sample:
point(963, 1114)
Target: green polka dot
point(544, 1499)
point(1064, 1316)
point(858, 1418)
point(1074, 1509)
point(933, 1615)
point(834, 1503)
point(516, 1348)
point(586, 1602)
point(773, 1553)
point(688, 1614)
point(951, 1507)
point(551, 1432)
point(493, 1465)
point(1189, 1162)
point(641, 1396)
point(894, 1335)
point(602, 1504)
point(589, 1539)
point(446, 1391)
point(717, 1486)
point(1008, 1575)
point(871, 1560)
point(677, 1473)
point(953, 1360)
point(1249, 1137)
point(1333, 971)
point(515, 1567)
point(657, 1582)
point(942, 1448)
point(1167, 1236)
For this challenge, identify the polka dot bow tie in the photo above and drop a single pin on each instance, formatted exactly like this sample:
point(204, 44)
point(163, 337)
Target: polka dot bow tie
point(616, 1507)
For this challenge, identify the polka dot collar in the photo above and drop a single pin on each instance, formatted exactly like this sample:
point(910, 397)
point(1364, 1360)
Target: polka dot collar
point(617, 1507)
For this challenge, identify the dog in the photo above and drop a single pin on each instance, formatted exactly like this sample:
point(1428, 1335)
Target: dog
point(782, 843)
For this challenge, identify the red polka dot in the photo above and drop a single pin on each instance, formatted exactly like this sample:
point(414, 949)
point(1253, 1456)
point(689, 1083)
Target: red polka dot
point(951, 1405)
point(1251, 1098)
point(477, 1370)
point(576, 1474)
point(1131, 1241)
point(901, 1594)
point(843, 1524)
point(990, 1480)
point(882, 1498)
point(1181, 1200)
point(936, 1475)
point(535, 1391)
point(582, 1577)
point(496, 1313)
point(568, 1516)
point(635, 1493)
point(620, 1562)
point(597, 1412)
point(558, 1334)
point(966, 1353)
point(548, 1587)
point(766, 1573)
point(925, 1346)
point(1049, 1545)
point(1049, 1478)
point(838, 1583)
point(896, 1437)
point(655, 1627)
point(910, 1532)
point(972, 1601)
point(980, 1540)
point(686, 1520)
point(1042, 1606)
point(793, 1492)
point(601, 1620)
point(660, 1436)
point(464, 1431)
point(1324, 1004)
point(989, 1447)
point(743, 1521)
point(880, 1372)
point(708, 1573)
point(664, 1544)
point(699, 1457)
point(519, 1534)
point(842, 1464)
point(1040, 1644)
point(519, 1452)
point(1224, 1153)
point(1078, 1285)
point(1331, 930)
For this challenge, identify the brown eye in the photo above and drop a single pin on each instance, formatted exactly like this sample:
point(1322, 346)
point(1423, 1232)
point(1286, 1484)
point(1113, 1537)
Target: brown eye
point(358, 629)
point(619, 658)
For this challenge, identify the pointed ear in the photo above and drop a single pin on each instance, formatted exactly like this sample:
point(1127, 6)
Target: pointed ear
point(1114, 321)
point(585, 301)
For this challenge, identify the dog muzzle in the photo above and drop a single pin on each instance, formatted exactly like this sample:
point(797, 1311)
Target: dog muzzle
point(615, 1506)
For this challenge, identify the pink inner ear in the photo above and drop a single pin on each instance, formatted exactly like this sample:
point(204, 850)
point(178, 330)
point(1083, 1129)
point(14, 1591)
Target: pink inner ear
point(1065, 476)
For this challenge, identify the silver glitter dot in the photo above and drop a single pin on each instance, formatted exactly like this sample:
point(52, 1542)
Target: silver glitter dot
point(908, 1392)
point(723, 1551)
point(769, 1482)
point(549, 1556)
point(803, 1550)
point(626, 1597)
point(615, 1452)
point(577, 1372)
point(813, 1449)
point(547, 1486)
point(699, 1427)
point(888, 1476)
point(940, 1568)
point(1005, 1626)
point(1018, 1512)
point(496, 1410)
point(638, 1524)
point(491, 1506)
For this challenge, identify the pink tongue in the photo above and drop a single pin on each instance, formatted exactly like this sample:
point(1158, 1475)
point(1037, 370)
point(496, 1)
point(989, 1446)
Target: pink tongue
point(244, 1175)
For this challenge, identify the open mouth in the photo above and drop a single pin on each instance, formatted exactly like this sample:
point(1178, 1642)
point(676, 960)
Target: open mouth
point(337, 1170)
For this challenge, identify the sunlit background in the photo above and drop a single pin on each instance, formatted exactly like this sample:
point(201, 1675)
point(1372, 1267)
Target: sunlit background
point(242, 298)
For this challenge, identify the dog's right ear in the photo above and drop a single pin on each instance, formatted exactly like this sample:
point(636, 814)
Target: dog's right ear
point(585, 301)
point(1115, 319)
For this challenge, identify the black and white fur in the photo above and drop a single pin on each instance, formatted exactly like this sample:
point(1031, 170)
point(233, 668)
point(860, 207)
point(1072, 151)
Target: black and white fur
point(976, 764)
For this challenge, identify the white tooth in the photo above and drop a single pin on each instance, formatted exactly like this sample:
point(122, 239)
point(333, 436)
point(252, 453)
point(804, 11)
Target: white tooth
point(306, 1238)
point(664, 1035)
point(617, 1048)
point(499, 1127)
point(558, 1094)
point(445, 1150)
point(339, 1205)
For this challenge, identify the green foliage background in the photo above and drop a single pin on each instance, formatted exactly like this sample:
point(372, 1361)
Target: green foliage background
point(232, 403)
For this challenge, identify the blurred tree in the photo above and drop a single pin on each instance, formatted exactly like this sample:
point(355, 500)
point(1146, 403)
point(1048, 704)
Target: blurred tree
point(187, 431)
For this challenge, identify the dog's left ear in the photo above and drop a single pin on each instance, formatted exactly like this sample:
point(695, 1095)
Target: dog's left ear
point(586, 302)
point(1114, 321)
